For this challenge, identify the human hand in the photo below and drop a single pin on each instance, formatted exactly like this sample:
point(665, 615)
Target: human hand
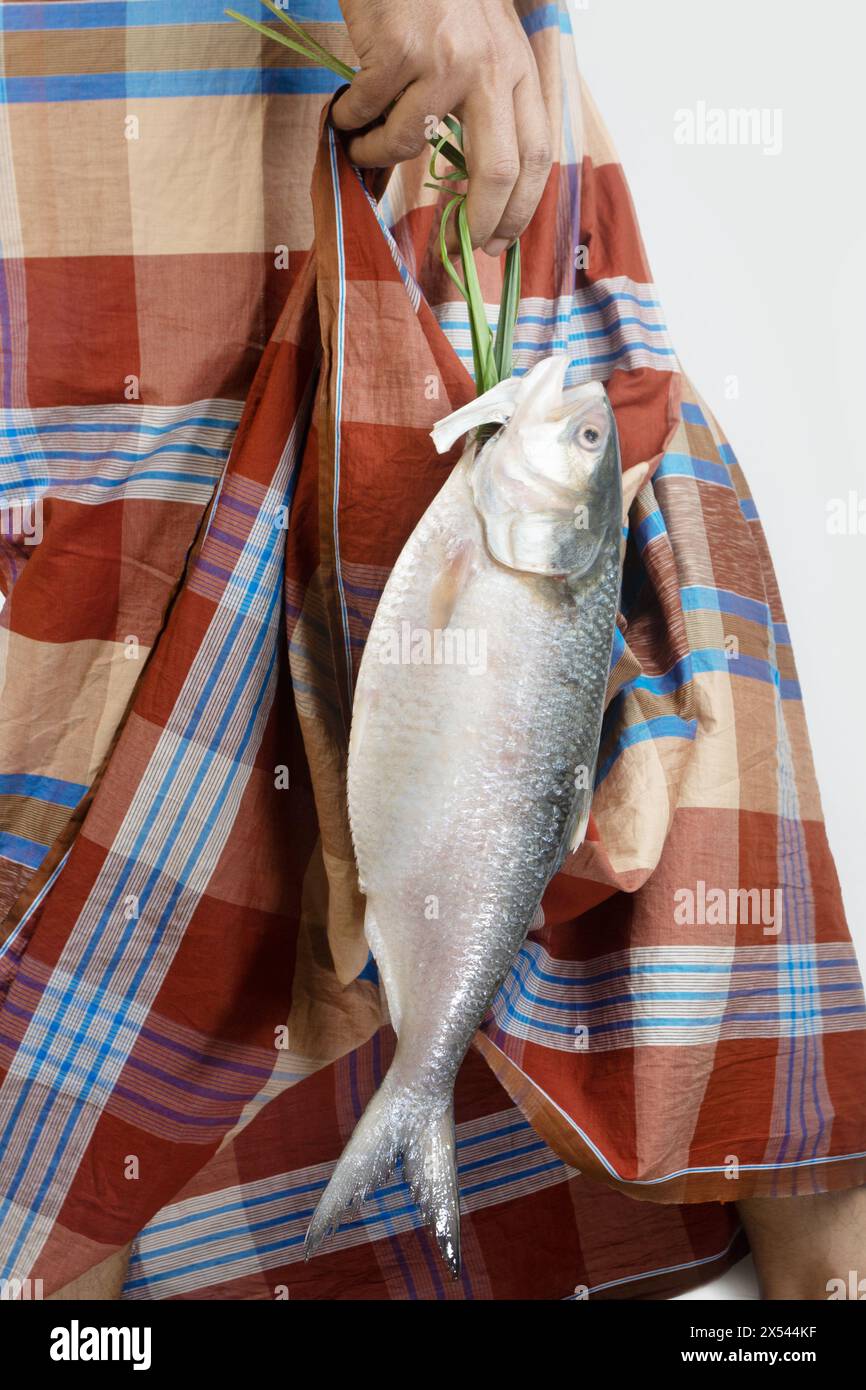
point(467, 58)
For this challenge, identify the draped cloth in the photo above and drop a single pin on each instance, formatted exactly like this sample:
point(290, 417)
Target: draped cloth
point(223, 352)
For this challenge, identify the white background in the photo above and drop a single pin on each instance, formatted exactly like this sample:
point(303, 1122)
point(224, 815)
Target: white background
point(759, 265)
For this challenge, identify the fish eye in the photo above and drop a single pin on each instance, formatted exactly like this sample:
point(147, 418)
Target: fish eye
point(590, 436)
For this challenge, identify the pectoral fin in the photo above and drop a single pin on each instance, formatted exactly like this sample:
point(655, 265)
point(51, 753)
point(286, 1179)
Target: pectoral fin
point(449, 584)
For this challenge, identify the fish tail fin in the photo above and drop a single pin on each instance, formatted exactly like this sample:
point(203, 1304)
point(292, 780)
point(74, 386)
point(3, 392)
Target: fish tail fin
point(430, 1169)
point(394, 1125)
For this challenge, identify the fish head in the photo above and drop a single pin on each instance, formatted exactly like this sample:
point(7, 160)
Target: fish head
point(548, 486)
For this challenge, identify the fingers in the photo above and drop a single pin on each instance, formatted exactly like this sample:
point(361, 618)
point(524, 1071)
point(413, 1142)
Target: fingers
point(490, 144)
point(370, 94)
point(534, 146)
point(421, 59)
point(404, 133)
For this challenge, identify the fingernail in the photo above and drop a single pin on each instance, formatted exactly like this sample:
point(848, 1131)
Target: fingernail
point(496, 247)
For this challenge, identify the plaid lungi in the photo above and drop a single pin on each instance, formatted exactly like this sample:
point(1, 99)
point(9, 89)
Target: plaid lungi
point(214, 443)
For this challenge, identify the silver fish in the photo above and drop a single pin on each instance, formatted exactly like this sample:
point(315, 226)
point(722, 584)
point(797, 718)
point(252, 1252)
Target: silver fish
point(474, 738)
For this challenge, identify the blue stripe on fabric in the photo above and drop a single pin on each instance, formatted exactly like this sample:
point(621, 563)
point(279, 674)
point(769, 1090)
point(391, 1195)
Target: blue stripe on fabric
point(674, 465)
point(607, 330)
point(560, 344)
point(692, 414)
point(161, 475)
point(614, 297)
point(110, 14)
point(805, 1018)
point(249, 1228)
point(132, 427)
point(705, 659)
point(549, 321)
point(21, 851)
point(187, 82)
point(647, 530)
point(599, 360)
point(580, 1007)
point(787, 959)
point(216, 1261)
point(702, 598)
point(687, 1023)
point(547, 17)
point(575, 310)
point(50, 789)
point(180, 446)
point(606, 357)
point(664, 726)
point(748, 508)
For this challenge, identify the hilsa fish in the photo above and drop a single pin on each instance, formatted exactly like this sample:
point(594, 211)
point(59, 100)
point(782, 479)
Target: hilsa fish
point(470, 780)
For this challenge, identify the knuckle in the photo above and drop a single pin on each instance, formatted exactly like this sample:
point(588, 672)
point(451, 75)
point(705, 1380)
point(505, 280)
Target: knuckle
point(537, 159)
point(363, 111)
point(362, 103)
point(404, 143)
point(502, 171)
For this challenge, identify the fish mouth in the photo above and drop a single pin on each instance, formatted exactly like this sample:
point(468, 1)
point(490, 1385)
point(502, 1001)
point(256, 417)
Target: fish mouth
point(577, 395)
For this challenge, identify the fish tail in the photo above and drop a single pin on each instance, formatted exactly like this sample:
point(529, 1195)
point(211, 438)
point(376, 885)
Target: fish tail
point(394, 1125)
point(430, 1169)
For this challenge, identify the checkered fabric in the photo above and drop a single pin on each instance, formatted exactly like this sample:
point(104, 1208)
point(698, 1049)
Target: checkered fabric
point(214, 443)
